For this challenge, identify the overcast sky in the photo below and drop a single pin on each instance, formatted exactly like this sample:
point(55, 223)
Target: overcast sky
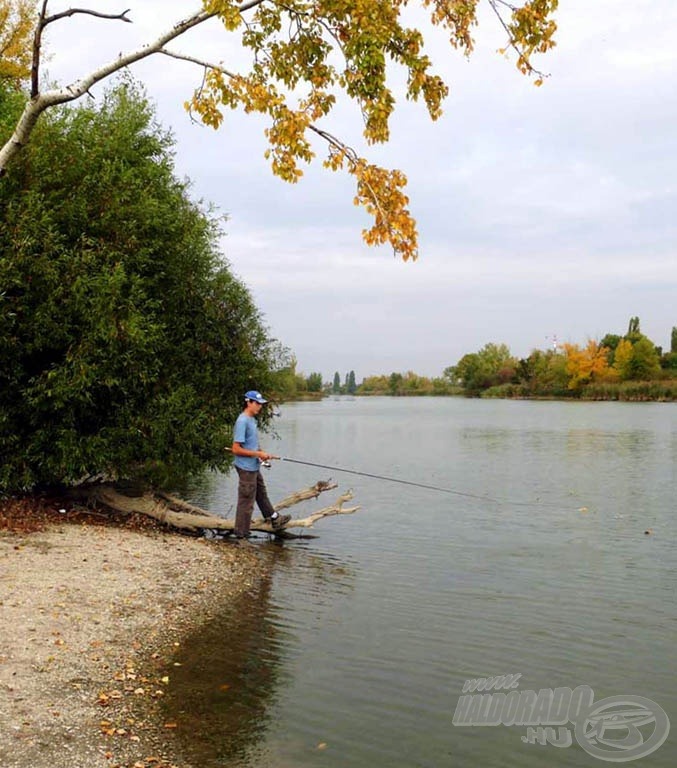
point(542, 212)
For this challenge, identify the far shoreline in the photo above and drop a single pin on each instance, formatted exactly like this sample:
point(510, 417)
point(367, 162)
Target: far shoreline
point(582, 398)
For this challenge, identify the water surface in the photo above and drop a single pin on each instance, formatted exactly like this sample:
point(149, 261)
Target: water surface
point(355, 648)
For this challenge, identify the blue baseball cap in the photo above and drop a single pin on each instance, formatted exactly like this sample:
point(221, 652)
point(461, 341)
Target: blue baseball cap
point(257, 397)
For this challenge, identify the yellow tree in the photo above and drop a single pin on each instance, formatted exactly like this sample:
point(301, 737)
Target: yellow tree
point(637, 359)
point(17, 22)
point(587, 364)
point(304, 56)
point(623, 359)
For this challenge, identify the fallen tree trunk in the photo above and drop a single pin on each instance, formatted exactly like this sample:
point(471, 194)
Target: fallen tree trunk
point(184, 516)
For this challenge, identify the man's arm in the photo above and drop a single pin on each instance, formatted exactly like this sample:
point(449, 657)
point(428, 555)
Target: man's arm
point(239, 450)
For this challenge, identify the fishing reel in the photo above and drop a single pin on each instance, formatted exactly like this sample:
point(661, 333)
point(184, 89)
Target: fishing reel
point(266, 464)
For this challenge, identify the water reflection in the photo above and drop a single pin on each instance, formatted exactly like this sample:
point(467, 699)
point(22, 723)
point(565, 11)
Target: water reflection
point(227, 675)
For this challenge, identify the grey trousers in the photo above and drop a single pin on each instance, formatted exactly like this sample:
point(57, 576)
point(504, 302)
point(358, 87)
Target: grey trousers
point(250, 488)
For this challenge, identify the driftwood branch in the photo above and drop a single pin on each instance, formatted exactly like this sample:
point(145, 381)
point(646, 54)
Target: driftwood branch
point(184, 516)
point(309, 493)
point(336, 508)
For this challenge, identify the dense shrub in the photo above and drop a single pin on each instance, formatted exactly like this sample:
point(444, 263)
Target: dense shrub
point(125, 341)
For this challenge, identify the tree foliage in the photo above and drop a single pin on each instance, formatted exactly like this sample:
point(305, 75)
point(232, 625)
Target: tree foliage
point(17, 23)
point(645, 359)
point(598, 370)
point(305, 55)
point(622, 362)
point(636, 358)
point(125, 341)
point(314, 382)
point(587, 364)
point(491, 366)
point(405, 385)
point(543, 374)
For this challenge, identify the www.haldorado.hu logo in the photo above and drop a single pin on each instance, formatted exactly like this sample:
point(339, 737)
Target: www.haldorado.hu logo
point(616, 729)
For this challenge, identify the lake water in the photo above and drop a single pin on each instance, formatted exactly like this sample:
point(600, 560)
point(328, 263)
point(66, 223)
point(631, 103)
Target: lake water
point(354, 650)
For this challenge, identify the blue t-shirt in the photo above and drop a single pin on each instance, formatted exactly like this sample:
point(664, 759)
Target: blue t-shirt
point(246, 433)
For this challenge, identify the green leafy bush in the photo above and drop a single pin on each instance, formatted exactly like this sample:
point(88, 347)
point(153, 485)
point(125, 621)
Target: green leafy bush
point(125, 341)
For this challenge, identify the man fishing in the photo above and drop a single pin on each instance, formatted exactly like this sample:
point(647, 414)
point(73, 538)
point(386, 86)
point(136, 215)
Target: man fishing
point(248, 458)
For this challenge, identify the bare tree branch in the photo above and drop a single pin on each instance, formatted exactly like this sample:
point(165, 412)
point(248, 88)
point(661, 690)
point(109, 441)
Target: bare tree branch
point(44, 20)
point(199, 62)
point(41, 101)
point(72, 11)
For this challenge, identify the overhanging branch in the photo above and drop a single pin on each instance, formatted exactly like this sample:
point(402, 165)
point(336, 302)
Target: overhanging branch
point(199, 62)
point(39, 102)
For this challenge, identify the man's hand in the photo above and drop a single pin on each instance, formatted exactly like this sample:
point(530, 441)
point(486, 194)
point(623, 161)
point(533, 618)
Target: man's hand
point(265, 456)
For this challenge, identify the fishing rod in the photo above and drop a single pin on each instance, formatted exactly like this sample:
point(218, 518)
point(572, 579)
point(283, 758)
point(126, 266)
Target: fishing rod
point(452, 491)
point(427, 486)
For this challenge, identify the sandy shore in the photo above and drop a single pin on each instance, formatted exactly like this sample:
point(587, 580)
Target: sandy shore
point(89, 616)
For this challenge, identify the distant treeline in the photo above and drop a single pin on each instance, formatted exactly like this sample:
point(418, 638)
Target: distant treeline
point(291, 385)
point(407, 384)
point(628, 367)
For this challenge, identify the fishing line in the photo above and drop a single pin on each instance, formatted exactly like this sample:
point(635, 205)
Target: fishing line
point(427, 486)
point(420, 485)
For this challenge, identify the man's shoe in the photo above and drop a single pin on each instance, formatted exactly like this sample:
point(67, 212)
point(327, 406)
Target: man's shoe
point(280, 521)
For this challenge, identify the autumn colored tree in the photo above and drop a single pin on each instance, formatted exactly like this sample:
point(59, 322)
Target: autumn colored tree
point(17, 22)
point(304, 55)
point(588, 364)
point(622, 362)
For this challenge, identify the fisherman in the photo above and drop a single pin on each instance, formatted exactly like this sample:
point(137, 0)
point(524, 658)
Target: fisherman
point(248, 458)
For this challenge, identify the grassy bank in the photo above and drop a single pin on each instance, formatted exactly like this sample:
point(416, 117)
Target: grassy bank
point(626, 391)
